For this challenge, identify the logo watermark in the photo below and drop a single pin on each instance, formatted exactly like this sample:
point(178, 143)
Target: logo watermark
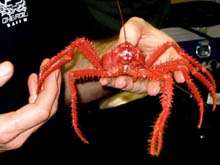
point(13, 13)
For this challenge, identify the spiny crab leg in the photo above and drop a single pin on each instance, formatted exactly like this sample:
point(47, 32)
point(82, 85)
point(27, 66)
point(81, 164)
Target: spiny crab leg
point(181, 65)
point(200, 67)
point(54, 63)
point(166, 97)
point(181, 52)
point(210, 85)
point(156, 142)
point(66, 55)
point(73, 91)
point(197, 96)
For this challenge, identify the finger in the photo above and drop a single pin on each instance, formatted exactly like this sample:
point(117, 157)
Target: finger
point(140, 86)
point(120, 82)
point(153, 88)
point(31, 115)
point(126, 83)
point(57, 74)
point(123, 82)
point(107, 82)
point(134, 28)
point(55, 105)
point(178, 76)
point(50, 90)
point(44, 62)
point(32, 87)
point(6, 71)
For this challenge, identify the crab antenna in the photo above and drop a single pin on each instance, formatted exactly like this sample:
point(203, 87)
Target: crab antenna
point(190, 94)
point(122, 19)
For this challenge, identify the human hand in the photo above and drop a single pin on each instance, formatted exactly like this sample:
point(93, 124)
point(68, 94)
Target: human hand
point(17, 126)
point(142, 34)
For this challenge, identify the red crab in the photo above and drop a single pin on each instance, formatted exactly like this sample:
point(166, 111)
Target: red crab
point(127, 59)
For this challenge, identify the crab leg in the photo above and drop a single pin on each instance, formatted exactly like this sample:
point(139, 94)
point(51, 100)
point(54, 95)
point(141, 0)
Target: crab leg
point(73, 91)
point(158, 129)
point(197, 96)
point(198, 65)
point(211, 86)
point(181, 52)
point(181, 65)
point(66, 55)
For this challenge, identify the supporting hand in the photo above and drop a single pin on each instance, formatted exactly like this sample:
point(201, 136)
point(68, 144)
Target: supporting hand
point(142, 34)
point(17, 126)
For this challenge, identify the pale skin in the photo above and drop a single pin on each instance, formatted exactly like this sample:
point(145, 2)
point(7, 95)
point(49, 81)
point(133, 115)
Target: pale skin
point(17, 126)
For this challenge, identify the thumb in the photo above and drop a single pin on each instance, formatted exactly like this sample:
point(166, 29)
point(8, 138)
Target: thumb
point(6, 71)
point(133, 30)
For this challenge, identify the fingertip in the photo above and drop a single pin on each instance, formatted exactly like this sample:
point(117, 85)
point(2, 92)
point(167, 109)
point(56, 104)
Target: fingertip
point(32, 86)
point(120, 82)
point(179, 77)
point(133, 32)
point(44, 62)
point(104, 81)
point(33, 79)
point(153, 88)
point(6, 71)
